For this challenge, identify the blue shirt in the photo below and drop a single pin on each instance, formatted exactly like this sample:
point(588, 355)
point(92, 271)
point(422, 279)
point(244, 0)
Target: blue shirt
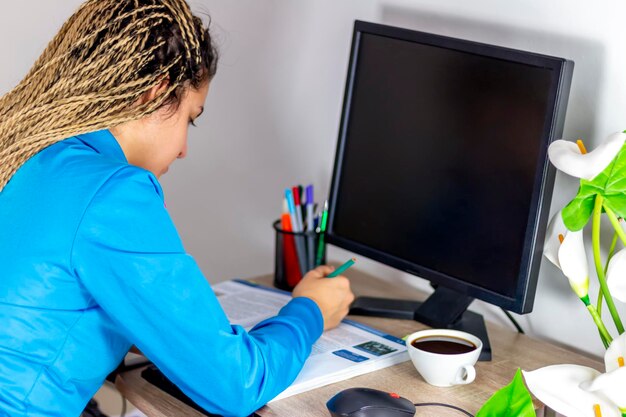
point(91, 263)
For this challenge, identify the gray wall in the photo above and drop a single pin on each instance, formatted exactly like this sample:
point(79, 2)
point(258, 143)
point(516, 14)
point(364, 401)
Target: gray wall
point(273, 113)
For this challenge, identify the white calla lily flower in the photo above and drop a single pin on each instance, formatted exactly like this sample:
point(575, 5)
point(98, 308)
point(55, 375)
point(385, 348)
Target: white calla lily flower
point(567, 157)
point(552, 243)
point(612, 385)
point(574, 390)
point(616, 350)
point(573, 260)
point(559, 387)
point(569, 256)
point(616, 276)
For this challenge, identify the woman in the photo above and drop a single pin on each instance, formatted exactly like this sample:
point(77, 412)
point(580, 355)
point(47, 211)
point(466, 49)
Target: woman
point(91, 261)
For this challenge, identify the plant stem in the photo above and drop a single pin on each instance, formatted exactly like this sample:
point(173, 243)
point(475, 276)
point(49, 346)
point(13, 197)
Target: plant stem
point(604, 333)
point(595, 234)
point(615, 222)
point(606, 268)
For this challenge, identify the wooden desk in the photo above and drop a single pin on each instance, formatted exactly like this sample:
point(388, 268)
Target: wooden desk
point(510, 351)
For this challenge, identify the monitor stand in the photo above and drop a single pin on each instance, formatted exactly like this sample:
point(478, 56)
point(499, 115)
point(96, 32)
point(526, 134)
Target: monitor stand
point(445, 308)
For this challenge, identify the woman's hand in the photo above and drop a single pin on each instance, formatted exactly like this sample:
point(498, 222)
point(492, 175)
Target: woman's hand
point(332, 295)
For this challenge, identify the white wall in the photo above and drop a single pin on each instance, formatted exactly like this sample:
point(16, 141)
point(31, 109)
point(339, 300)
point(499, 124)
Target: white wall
point(273, 113)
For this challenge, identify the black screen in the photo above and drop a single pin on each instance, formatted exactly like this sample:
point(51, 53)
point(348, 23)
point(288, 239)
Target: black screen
point(440, 153)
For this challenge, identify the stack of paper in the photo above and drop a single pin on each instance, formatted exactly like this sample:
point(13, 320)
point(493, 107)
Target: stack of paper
point(344, 352)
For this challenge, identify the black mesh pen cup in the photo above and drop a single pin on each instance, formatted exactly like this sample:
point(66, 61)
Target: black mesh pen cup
point(296, 253)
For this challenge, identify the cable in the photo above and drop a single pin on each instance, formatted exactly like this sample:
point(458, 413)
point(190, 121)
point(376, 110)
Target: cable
point(92, 410)
point(467, 413)
point(123, 413)
point(517, 326)
point(123, 368)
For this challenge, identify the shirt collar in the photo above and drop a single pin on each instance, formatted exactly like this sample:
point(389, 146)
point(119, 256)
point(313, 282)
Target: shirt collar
point(104, 143)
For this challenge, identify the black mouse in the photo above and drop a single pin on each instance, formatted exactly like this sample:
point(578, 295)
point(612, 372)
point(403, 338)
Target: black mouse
point(367, 402)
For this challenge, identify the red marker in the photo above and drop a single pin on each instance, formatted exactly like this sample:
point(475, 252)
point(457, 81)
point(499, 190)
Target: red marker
point(296, 201)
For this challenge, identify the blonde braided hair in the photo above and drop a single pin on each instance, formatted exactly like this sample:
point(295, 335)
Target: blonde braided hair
point(92, 74)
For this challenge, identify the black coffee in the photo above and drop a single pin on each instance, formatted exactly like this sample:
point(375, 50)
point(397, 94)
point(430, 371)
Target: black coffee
point(447, 346)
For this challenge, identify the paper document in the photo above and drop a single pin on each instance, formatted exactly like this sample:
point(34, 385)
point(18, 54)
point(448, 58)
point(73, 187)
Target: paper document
point(349, 350)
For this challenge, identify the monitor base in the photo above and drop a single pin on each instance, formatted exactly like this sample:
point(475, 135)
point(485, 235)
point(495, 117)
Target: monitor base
point(466, 321)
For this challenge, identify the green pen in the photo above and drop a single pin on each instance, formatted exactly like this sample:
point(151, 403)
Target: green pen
point(322, 235)
point(342, 268)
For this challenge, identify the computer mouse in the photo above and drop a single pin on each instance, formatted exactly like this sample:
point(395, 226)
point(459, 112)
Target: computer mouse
point(368, 402)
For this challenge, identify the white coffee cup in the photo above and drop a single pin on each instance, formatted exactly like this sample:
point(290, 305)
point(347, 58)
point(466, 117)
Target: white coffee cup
point(444, 369)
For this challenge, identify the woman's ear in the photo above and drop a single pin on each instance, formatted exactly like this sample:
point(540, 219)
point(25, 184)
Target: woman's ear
point(155, 91)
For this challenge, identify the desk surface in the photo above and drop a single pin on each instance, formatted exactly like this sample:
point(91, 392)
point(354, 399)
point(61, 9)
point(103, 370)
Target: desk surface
point(510, 351)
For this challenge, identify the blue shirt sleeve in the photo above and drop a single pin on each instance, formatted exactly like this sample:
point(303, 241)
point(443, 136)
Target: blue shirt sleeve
point(129, 257)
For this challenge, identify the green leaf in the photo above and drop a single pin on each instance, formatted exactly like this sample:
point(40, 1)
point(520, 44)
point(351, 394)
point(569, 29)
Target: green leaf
point(617, 203)
point(610, 184)
point(615, 188)
point(512, 400)
point(578, 212)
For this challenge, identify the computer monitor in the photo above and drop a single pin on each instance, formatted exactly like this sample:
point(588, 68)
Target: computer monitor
point(441, 168)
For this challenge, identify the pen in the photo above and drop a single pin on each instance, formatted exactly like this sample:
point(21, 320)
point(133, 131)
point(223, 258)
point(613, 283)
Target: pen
point(297, 208)
point(322, 233)
point(285, 218)
point(342, 268)
point(310, 247)
point(309, 208)
point(291, 207)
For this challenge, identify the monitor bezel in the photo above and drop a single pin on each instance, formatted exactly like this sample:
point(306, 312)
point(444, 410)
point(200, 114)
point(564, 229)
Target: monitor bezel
point(562, 70)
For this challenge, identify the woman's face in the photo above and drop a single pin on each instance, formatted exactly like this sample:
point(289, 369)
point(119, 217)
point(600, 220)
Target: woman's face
point(157, 140)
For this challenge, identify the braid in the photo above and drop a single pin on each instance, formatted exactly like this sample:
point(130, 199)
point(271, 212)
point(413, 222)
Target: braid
point(91, 79)
point(184, 19)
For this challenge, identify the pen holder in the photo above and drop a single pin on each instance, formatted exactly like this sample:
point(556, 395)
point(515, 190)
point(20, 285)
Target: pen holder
point(295, 255)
